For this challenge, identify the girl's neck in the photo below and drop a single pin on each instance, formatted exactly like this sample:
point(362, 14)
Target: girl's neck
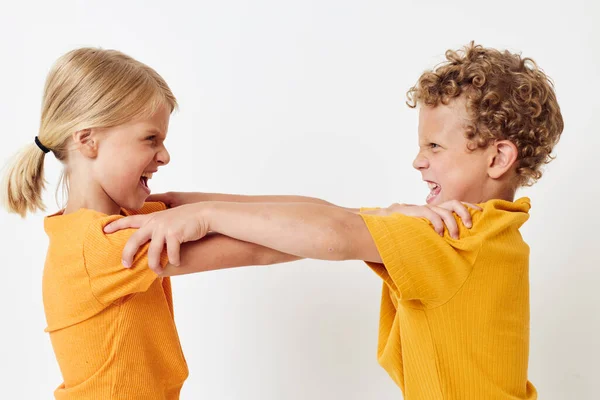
point(86, 194)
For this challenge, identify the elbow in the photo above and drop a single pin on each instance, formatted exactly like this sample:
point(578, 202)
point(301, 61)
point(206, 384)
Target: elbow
point(340, 243)
point(265, 256)
point(352, 237)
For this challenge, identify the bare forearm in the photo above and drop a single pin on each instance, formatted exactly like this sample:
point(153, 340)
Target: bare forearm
point(221, 252)
point(302, 229)
point(195, 197)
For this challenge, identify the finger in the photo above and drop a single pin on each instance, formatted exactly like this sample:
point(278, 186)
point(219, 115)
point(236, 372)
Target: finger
point(173, 248)
point(136, 240)
point(474, 206)
point(449, 220)
point(435, 220)
point(156, 247)
point(133, 221)
point(463, 212)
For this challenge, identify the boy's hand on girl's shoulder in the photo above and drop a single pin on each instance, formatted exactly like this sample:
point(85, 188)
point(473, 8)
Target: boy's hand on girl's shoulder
point(168, 228)
point(438, 215)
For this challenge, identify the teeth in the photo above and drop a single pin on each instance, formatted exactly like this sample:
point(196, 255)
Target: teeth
point(147, 175)
point(432, 185)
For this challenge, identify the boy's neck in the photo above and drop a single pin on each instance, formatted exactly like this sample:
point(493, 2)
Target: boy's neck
point(502, 192)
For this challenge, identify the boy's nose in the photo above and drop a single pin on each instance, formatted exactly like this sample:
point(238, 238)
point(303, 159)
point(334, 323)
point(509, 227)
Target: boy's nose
point(420, 162)
point(163, 157)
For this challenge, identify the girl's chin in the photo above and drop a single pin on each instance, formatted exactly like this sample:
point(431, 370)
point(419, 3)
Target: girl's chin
point(433, 199)
point(135, 203)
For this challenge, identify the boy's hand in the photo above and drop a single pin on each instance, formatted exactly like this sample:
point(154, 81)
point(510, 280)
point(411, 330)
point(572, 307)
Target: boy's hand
point(438, 215)
point(169, 227)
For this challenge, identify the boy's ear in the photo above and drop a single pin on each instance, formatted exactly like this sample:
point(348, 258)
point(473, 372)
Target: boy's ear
point(503, 156)
point(86, 143)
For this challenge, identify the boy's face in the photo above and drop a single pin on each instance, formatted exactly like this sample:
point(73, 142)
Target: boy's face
point(452, 171)
point(127, 157)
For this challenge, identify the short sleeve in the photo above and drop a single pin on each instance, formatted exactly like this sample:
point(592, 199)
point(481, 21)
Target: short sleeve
point(418, 264)
point(109, 279)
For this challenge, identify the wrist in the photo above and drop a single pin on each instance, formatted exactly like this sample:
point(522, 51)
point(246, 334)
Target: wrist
point(204, 212)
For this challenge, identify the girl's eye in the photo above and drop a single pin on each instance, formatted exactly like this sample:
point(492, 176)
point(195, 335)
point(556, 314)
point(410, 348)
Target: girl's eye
point(152, 138)
point(434, 145)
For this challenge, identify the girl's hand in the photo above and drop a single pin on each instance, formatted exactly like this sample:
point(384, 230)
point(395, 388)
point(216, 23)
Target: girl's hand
point(438, 215)
point(170, 227)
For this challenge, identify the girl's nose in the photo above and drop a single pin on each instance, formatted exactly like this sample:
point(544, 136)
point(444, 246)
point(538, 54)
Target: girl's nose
point(163, 157)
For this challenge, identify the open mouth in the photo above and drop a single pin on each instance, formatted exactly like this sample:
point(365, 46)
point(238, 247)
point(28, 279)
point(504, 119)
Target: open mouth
point(146, 176)
point(434, 191)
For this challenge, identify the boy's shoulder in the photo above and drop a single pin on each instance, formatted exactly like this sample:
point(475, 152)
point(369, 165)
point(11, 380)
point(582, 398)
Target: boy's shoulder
point(498, 220)
point(501, 214)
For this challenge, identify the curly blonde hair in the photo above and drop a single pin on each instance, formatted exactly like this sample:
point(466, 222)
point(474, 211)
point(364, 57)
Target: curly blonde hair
point(507, 97)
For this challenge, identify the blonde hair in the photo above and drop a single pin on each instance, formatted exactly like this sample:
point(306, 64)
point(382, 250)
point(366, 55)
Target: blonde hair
point(86, 88)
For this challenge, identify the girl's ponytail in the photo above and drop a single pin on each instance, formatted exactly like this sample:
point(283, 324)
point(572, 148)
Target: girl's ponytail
point(86, 88)
point(23, 183)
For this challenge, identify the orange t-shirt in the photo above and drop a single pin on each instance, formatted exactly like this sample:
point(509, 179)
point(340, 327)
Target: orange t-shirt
point(454, 320)
point(112, 328)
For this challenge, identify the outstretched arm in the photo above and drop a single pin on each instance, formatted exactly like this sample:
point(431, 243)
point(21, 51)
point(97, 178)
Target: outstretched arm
point(300, 229)
point(176, 199)
point(216, 251)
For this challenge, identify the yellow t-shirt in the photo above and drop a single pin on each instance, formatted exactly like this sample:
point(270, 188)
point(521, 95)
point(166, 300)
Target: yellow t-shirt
point(454, 320)
point(112, 328)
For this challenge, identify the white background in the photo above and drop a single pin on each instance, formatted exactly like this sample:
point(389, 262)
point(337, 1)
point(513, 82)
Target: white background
point(307, 97)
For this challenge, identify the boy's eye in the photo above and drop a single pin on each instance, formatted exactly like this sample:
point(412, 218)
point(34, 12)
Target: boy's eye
point(434, 145)
point(151, 137)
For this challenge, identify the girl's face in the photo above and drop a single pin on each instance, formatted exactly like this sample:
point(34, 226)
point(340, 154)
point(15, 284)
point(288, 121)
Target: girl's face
point(128, 155)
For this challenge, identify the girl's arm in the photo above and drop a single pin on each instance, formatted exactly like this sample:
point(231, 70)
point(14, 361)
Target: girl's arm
point(176, 199)
point(315, 230)
point(301, 229)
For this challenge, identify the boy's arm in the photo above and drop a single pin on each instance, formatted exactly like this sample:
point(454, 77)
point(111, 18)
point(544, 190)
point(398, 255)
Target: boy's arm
point(216, 251)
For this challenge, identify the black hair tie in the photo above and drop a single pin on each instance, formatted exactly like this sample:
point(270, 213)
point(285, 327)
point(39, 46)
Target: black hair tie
point(41, 146)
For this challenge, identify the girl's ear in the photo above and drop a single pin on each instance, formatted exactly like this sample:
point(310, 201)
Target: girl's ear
point(86, 142)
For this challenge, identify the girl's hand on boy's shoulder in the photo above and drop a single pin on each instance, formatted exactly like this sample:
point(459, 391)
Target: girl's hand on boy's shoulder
point(438, 215)
point(168, 228)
